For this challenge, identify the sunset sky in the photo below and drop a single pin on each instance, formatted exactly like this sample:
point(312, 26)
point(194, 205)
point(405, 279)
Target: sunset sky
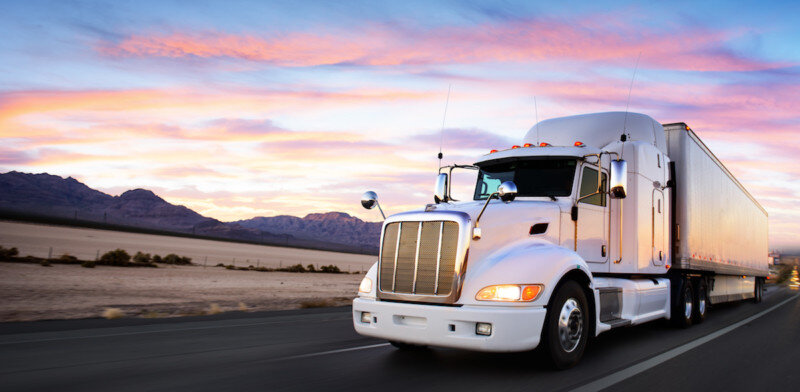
point(253, 108)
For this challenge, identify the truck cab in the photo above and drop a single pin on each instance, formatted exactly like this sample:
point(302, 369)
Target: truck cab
point(567, 235)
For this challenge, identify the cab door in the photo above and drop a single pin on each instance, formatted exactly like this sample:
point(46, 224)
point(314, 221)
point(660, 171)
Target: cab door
point(592, 224)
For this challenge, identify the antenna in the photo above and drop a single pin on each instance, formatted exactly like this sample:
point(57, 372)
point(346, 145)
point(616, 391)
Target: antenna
point(625, 123)
point(536, 109)
point(444, 117)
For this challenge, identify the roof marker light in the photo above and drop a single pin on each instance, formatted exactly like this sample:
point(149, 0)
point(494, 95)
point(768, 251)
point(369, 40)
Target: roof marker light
point(543, 144)
point(514, 146)
point(579, 144)
point(492, 152)
point(527, 145)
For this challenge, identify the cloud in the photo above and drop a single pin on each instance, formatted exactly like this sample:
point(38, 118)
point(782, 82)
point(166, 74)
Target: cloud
point(502, 40)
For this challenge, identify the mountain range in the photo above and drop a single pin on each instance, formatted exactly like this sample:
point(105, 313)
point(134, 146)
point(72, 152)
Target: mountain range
point(46, 195)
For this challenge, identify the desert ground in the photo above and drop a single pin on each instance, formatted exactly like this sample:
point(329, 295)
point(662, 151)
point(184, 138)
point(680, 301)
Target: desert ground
point(53, 241)
point(34, 292)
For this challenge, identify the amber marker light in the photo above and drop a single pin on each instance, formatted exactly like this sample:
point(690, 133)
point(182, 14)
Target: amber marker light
point(527, 145)
point(492, 152)
point(543, 144)
point(514, 146)
point(578, 144)
point(509, 293)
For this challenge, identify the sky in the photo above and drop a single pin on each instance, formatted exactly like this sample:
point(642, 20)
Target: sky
point(239, 109)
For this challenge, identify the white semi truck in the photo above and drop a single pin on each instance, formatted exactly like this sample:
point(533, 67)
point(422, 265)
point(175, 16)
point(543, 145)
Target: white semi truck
point(593, 222)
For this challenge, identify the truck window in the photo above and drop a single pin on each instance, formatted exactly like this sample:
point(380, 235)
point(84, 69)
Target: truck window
point(533, 177)
point(589, 186)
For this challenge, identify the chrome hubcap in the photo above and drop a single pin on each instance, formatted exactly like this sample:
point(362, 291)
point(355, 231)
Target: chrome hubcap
point(570, 325)
point(701, 303)
point(687, 310)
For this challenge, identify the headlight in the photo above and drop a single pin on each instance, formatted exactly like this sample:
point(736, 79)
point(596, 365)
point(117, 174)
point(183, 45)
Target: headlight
point(510, 293)
point(365, 286)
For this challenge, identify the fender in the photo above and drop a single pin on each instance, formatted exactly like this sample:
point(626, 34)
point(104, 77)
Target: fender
point(531, 261)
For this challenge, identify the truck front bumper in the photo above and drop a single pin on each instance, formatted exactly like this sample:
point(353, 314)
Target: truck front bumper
point(513, 328)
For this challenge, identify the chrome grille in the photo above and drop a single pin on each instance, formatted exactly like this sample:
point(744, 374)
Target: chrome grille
point(419, 257)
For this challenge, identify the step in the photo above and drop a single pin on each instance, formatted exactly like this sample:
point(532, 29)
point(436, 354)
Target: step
point(617, 322)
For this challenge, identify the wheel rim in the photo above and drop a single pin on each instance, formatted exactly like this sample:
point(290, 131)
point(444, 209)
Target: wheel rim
point(570, 325)
point(701, 302)
point(687, 306)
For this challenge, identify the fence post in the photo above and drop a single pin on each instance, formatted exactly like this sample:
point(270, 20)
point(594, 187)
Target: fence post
point(97, 256)
point(205, 260)
point(50, 254)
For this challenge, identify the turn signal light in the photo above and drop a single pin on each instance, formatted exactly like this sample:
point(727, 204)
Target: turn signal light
point(578, 144)
point(509, 293)
point(543, 144)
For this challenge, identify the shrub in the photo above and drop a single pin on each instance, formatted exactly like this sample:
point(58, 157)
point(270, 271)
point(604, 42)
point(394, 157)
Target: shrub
point(156, 259)
point(6, 253)
point(175, 259)
point(113, 313)
point(295, 268)
point(316, 303)
point(331, 269)
point(88, 264)
point(66, 258)
point(45, 263)
point(311, 268)
point(219, 265)
point(230, 267)
point(214, 309)
point(117, 257)
point(140, 257)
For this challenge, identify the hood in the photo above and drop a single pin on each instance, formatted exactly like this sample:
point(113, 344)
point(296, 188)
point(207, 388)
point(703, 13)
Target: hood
point(506, 223)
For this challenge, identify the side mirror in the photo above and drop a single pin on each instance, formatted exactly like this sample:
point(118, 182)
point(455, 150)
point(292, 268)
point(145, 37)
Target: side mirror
point(440, 190)
point(369, 200)
point(619, 179)
point(507, 191)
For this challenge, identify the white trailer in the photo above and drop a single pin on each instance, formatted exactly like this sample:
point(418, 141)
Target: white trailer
point(593, 222)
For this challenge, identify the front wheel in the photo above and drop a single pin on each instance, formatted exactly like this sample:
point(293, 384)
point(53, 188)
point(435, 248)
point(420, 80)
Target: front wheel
point(566, 328)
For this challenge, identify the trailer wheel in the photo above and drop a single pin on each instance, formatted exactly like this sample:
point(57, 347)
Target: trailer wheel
point(682, 310)
point(566, 328)
point(701, 301)
point(759, 294)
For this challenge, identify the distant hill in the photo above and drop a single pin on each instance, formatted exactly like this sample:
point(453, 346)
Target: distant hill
point(67, 198)
point(333, 226)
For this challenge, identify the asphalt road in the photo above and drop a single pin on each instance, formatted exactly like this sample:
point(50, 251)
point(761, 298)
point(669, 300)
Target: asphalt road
point(740, 347)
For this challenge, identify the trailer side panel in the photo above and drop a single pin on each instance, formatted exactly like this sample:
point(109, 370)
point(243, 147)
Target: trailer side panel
point(720, 227)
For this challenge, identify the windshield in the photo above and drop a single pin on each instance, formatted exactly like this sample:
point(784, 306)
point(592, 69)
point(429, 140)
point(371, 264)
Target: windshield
point(535, 177)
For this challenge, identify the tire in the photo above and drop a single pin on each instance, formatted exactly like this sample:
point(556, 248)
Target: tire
point(700, 307)
point(682, 309)
point(566, 327)
point(407, 346)
point(759, 294)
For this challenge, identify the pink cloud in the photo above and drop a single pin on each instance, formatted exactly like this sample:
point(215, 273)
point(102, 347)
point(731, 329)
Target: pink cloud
point(685, 48)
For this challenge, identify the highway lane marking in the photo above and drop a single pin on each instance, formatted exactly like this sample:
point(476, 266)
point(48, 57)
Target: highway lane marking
point(154, 331)
point(342, 350)
point(631, 371)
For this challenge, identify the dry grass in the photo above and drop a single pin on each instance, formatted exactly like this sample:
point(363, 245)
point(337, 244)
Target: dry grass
point(316, 303)
point(214, 309)
point(113, 313)
point(243, 307)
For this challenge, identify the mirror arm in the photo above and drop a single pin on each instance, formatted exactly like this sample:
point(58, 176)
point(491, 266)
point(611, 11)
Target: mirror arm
point(380, 209)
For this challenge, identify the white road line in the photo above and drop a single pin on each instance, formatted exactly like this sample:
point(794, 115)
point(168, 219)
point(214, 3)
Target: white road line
point(342, 350)
point(629, 372)
point(108, 335)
